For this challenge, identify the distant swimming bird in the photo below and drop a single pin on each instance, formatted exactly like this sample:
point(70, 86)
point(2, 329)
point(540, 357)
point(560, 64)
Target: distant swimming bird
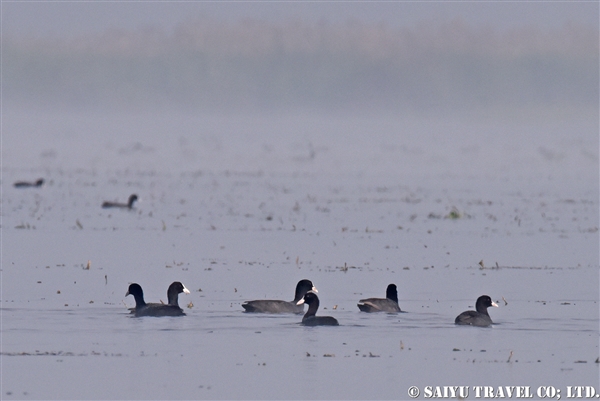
point(388, 304)
point(173, 292)
point(153, 309)
point(309, 318)
point(276, 306)
point(25, 184)
point(479, 318)
point(128, 205)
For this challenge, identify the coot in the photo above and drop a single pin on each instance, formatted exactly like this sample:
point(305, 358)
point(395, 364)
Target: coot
point(309, 318)
point(388, 304)
point(173, 292)
point(26, 184)
point(480, 317)
point(276, 306)
point(144, 309)
point(128, 205)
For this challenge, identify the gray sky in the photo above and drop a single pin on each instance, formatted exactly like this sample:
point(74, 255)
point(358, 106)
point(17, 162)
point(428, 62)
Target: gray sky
point(72, 19)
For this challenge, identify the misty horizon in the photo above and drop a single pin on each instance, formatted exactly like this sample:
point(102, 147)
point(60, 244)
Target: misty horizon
point(254, 65)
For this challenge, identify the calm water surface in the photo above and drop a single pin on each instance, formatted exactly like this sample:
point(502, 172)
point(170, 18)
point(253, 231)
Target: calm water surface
point(252, 233)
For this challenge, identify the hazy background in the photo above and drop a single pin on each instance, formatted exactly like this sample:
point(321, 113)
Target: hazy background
point(367, 57)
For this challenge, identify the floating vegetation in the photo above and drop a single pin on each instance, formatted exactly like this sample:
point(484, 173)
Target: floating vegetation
point(59, 353)
point(345, 267)
point(454, 214)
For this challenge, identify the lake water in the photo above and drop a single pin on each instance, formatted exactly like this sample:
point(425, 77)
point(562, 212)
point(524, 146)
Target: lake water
point(243, 208)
